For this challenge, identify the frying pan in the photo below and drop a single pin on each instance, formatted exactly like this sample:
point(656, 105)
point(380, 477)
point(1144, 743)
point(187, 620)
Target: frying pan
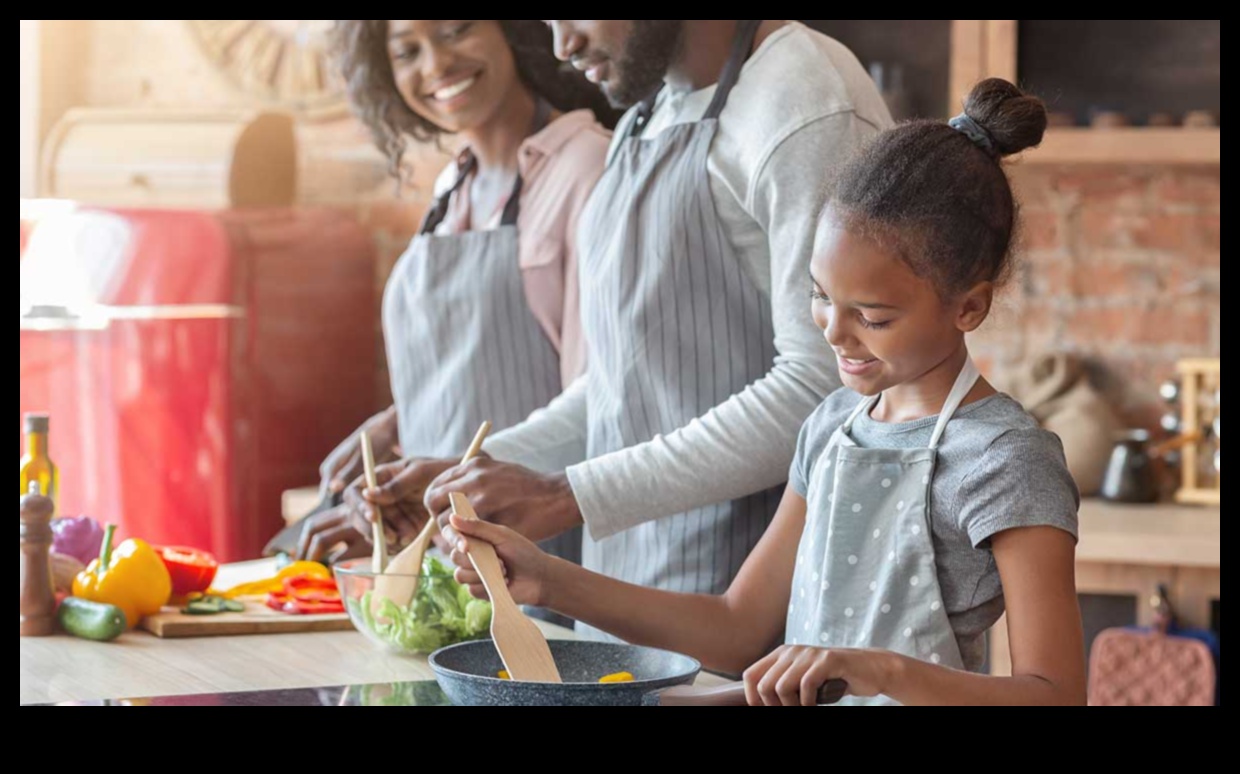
point(468, 674)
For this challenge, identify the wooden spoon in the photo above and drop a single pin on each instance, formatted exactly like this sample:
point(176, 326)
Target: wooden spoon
point(520, 643)
point(399, 581)
point(379, 559)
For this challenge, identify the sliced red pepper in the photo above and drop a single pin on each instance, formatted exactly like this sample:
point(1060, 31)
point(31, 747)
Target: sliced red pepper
point(302, 582)
point(312, 608)
point(316, 596)
point(190, 569)
point(307, 595)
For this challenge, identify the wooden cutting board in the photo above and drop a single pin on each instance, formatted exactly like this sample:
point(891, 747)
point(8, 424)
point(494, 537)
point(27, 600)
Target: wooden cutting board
point(257, 619)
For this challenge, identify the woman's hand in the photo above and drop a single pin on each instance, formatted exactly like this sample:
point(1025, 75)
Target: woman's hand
point(344, 464)
point(791, 675)
point(525, 564)
point(323, 531)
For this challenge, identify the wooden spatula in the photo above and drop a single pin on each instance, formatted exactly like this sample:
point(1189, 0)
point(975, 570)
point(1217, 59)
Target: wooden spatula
point(520, 643)
point(399, 581)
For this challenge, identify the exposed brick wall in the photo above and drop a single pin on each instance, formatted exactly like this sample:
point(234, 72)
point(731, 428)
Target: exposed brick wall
point(1119, 265)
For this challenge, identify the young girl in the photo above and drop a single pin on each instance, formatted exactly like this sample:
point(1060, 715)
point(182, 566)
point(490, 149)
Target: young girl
point(921, 501)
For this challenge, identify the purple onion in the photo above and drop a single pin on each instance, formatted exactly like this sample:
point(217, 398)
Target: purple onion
point(77, 536)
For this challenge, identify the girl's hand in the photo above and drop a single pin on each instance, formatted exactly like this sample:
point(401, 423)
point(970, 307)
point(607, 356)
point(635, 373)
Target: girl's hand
point(525, 564)
point(791, 675)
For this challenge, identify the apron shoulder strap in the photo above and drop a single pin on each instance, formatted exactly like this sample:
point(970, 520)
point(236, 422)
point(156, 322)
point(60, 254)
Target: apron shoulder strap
point(512, 207)
point(742, 46)
point(960, 390)
point(439, 208)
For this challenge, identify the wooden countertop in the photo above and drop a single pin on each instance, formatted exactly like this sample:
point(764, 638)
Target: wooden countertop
point(1166, 535)
point(63, 668)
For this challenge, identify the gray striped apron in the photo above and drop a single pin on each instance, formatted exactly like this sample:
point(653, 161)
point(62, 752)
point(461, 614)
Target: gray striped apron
point(865, 571)
point(462, 343)
point(675, 327)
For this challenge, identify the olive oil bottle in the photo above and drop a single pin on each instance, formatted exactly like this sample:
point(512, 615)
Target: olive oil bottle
point(37, 466)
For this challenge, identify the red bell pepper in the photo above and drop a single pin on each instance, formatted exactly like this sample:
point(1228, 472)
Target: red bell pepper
point(307, 595)
point(190, 569)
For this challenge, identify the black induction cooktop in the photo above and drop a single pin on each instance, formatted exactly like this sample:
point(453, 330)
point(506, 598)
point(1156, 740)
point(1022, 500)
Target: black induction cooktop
point(414, 694)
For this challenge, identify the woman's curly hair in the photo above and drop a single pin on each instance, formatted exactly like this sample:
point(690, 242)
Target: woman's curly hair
point(361, 45)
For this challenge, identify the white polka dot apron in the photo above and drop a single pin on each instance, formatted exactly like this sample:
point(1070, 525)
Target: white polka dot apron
point(865, 574)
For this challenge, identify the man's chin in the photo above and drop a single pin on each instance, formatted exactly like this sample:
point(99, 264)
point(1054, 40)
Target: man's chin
point(623, 95)
point(618, 96)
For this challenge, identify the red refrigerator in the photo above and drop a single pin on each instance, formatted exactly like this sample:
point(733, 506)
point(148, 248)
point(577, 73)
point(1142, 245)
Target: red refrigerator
point(196, 364)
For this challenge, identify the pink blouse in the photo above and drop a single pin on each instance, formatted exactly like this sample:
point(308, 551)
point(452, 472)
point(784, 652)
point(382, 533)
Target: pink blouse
point(559, 167)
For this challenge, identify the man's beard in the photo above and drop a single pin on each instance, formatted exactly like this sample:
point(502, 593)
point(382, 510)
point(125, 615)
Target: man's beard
point(647, 55)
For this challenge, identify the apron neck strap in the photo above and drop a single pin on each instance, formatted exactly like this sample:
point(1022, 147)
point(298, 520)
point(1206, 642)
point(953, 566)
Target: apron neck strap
point(960, 390)
point(862, 408)
point(964, 384)
point(742, 47)
point(439, 210)
point(512, 208)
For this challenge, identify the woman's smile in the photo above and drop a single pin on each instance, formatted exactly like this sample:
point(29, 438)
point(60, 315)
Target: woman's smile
point(450, 92)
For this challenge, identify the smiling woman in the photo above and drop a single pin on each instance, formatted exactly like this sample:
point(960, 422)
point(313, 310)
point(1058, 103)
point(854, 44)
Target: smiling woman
point(374, 53)
point(480, 315)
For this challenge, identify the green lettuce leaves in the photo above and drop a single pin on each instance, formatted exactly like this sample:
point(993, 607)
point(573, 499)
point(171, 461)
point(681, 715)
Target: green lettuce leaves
point(442, 613)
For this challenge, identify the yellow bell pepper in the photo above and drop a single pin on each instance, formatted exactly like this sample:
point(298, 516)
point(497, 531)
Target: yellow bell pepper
point(276, 582)
point(131, 576)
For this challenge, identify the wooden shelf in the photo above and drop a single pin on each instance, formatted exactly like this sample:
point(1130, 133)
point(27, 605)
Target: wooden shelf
point(1134, 145)
point(1160, 535)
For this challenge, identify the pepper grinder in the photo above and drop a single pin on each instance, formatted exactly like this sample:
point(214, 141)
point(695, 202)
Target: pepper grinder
point(38, 600)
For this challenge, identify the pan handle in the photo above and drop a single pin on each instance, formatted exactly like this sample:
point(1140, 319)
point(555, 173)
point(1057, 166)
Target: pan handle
point(730, 695)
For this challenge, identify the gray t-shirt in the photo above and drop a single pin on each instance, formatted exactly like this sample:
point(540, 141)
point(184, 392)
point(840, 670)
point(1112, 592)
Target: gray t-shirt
point(996, 470)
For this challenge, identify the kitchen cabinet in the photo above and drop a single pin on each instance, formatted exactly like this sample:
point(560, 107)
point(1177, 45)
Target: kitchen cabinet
point(1135, 66)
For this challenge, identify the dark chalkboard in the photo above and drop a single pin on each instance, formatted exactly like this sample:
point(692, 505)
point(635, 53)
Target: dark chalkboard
point(921, 46)
point(1134, 66)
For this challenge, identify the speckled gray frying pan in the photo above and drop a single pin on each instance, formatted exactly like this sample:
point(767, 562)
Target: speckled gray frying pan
point(468, 674)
